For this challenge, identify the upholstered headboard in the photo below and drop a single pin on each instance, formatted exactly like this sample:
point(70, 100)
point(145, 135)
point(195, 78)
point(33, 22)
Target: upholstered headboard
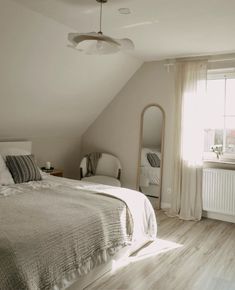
point(17, 145)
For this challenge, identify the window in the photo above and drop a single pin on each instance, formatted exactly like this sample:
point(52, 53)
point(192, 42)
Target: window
point(219, 128)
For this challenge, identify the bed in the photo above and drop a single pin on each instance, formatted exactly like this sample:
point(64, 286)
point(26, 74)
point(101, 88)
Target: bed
point(58, 233)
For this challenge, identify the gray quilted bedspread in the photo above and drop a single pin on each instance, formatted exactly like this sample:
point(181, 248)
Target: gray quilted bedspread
point(49, 233)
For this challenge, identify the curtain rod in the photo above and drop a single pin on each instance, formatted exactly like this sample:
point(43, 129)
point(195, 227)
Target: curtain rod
point(221, 59)
point(209, 58)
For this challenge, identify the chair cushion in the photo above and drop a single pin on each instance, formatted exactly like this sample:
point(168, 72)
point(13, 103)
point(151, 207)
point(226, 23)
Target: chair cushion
point(108, 165)
point(103, 180)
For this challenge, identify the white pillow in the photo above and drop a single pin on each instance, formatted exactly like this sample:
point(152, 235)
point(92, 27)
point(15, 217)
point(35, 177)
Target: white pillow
point(5, 175)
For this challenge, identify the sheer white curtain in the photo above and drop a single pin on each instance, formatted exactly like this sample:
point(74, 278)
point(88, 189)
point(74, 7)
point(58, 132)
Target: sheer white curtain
point(188, 145)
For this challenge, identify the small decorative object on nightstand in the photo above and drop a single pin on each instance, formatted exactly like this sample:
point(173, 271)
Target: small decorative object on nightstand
point(53, 171)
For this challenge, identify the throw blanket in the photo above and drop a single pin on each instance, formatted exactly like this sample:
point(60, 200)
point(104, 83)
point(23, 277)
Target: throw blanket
point(55, 230)
point(92, 162)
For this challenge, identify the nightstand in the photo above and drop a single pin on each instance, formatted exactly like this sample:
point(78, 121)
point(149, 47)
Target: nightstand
point(57, 172)
point(54, 172)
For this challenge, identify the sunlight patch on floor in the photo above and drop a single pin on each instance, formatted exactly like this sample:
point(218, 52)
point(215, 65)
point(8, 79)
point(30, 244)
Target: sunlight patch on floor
point(155, 248)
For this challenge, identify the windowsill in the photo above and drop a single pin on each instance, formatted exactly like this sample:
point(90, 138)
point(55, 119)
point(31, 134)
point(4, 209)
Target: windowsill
point(219, 164)
point(226, 158)
point(219, 161)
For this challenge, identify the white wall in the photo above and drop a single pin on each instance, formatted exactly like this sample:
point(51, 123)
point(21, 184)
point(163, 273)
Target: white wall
point(117, 129)
point(63, 153)
point(50, 93)
point(152, 127)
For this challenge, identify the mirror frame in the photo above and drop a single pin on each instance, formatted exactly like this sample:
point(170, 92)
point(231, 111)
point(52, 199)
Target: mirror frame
point(158, 206)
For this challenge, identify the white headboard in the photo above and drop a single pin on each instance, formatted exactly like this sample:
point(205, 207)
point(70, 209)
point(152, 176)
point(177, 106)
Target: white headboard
point(23, 145)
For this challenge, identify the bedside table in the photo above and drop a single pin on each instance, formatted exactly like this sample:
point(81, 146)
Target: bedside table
point(55, 172)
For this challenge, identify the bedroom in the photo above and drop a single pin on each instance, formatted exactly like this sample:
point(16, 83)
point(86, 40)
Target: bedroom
point(69, 104)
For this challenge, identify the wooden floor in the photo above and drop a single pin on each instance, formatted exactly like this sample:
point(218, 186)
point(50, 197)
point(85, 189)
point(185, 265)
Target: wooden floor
point(187, 256)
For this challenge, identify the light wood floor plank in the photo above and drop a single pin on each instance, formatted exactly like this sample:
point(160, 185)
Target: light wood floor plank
point(191, 256)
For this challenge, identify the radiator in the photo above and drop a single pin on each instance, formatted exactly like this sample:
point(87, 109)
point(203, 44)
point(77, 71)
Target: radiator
point(218, 191)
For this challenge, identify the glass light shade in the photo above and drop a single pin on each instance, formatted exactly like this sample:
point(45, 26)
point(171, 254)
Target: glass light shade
point(96, 43)
point(97, 47)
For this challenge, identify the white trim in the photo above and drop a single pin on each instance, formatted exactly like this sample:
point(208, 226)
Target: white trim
point(218, 216)
point(221, 160)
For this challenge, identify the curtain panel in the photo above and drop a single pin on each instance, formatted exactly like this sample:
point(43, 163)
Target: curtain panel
point(188, 139)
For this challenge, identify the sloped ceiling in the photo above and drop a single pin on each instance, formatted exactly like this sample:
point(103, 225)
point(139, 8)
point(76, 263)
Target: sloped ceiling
point(160, 28)
point(46, 88)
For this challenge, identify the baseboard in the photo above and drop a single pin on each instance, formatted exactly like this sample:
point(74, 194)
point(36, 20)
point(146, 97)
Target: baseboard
point(219, 216)
point(165, 205)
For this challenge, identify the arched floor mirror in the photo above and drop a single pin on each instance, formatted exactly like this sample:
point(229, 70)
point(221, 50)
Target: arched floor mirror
point(150, 167)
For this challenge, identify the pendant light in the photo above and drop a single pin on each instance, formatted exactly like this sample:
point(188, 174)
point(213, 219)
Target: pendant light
point(97, 42)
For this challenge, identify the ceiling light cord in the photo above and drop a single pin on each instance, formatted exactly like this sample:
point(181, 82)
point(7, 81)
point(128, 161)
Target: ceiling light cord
point(101, 12)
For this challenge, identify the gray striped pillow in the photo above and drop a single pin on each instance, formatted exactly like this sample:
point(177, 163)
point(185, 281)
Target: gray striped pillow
point(23, 168)
point(153, 159)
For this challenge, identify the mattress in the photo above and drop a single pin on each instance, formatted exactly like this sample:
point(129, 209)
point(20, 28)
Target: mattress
point(56, 230)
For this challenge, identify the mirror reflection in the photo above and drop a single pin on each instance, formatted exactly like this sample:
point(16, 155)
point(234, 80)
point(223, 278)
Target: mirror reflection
point(150, 170)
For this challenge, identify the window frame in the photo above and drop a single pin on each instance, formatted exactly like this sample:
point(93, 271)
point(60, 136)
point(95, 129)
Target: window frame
point(218, 74)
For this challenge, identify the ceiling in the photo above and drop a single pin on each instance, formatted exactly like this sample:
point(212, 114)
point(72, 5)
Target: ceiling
point(159, 28)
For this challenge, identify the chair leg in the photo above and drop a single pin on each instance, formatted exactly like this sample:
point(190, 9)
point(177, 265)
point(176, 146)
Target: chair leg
point(119, 174)
point(81, 173)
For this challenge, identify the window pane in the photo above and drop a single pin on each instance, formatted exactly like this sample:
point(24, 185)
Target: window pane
point(214, 104)
point(220, 124)
point(230, 134)
point(212, 137)
point(230, 97)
